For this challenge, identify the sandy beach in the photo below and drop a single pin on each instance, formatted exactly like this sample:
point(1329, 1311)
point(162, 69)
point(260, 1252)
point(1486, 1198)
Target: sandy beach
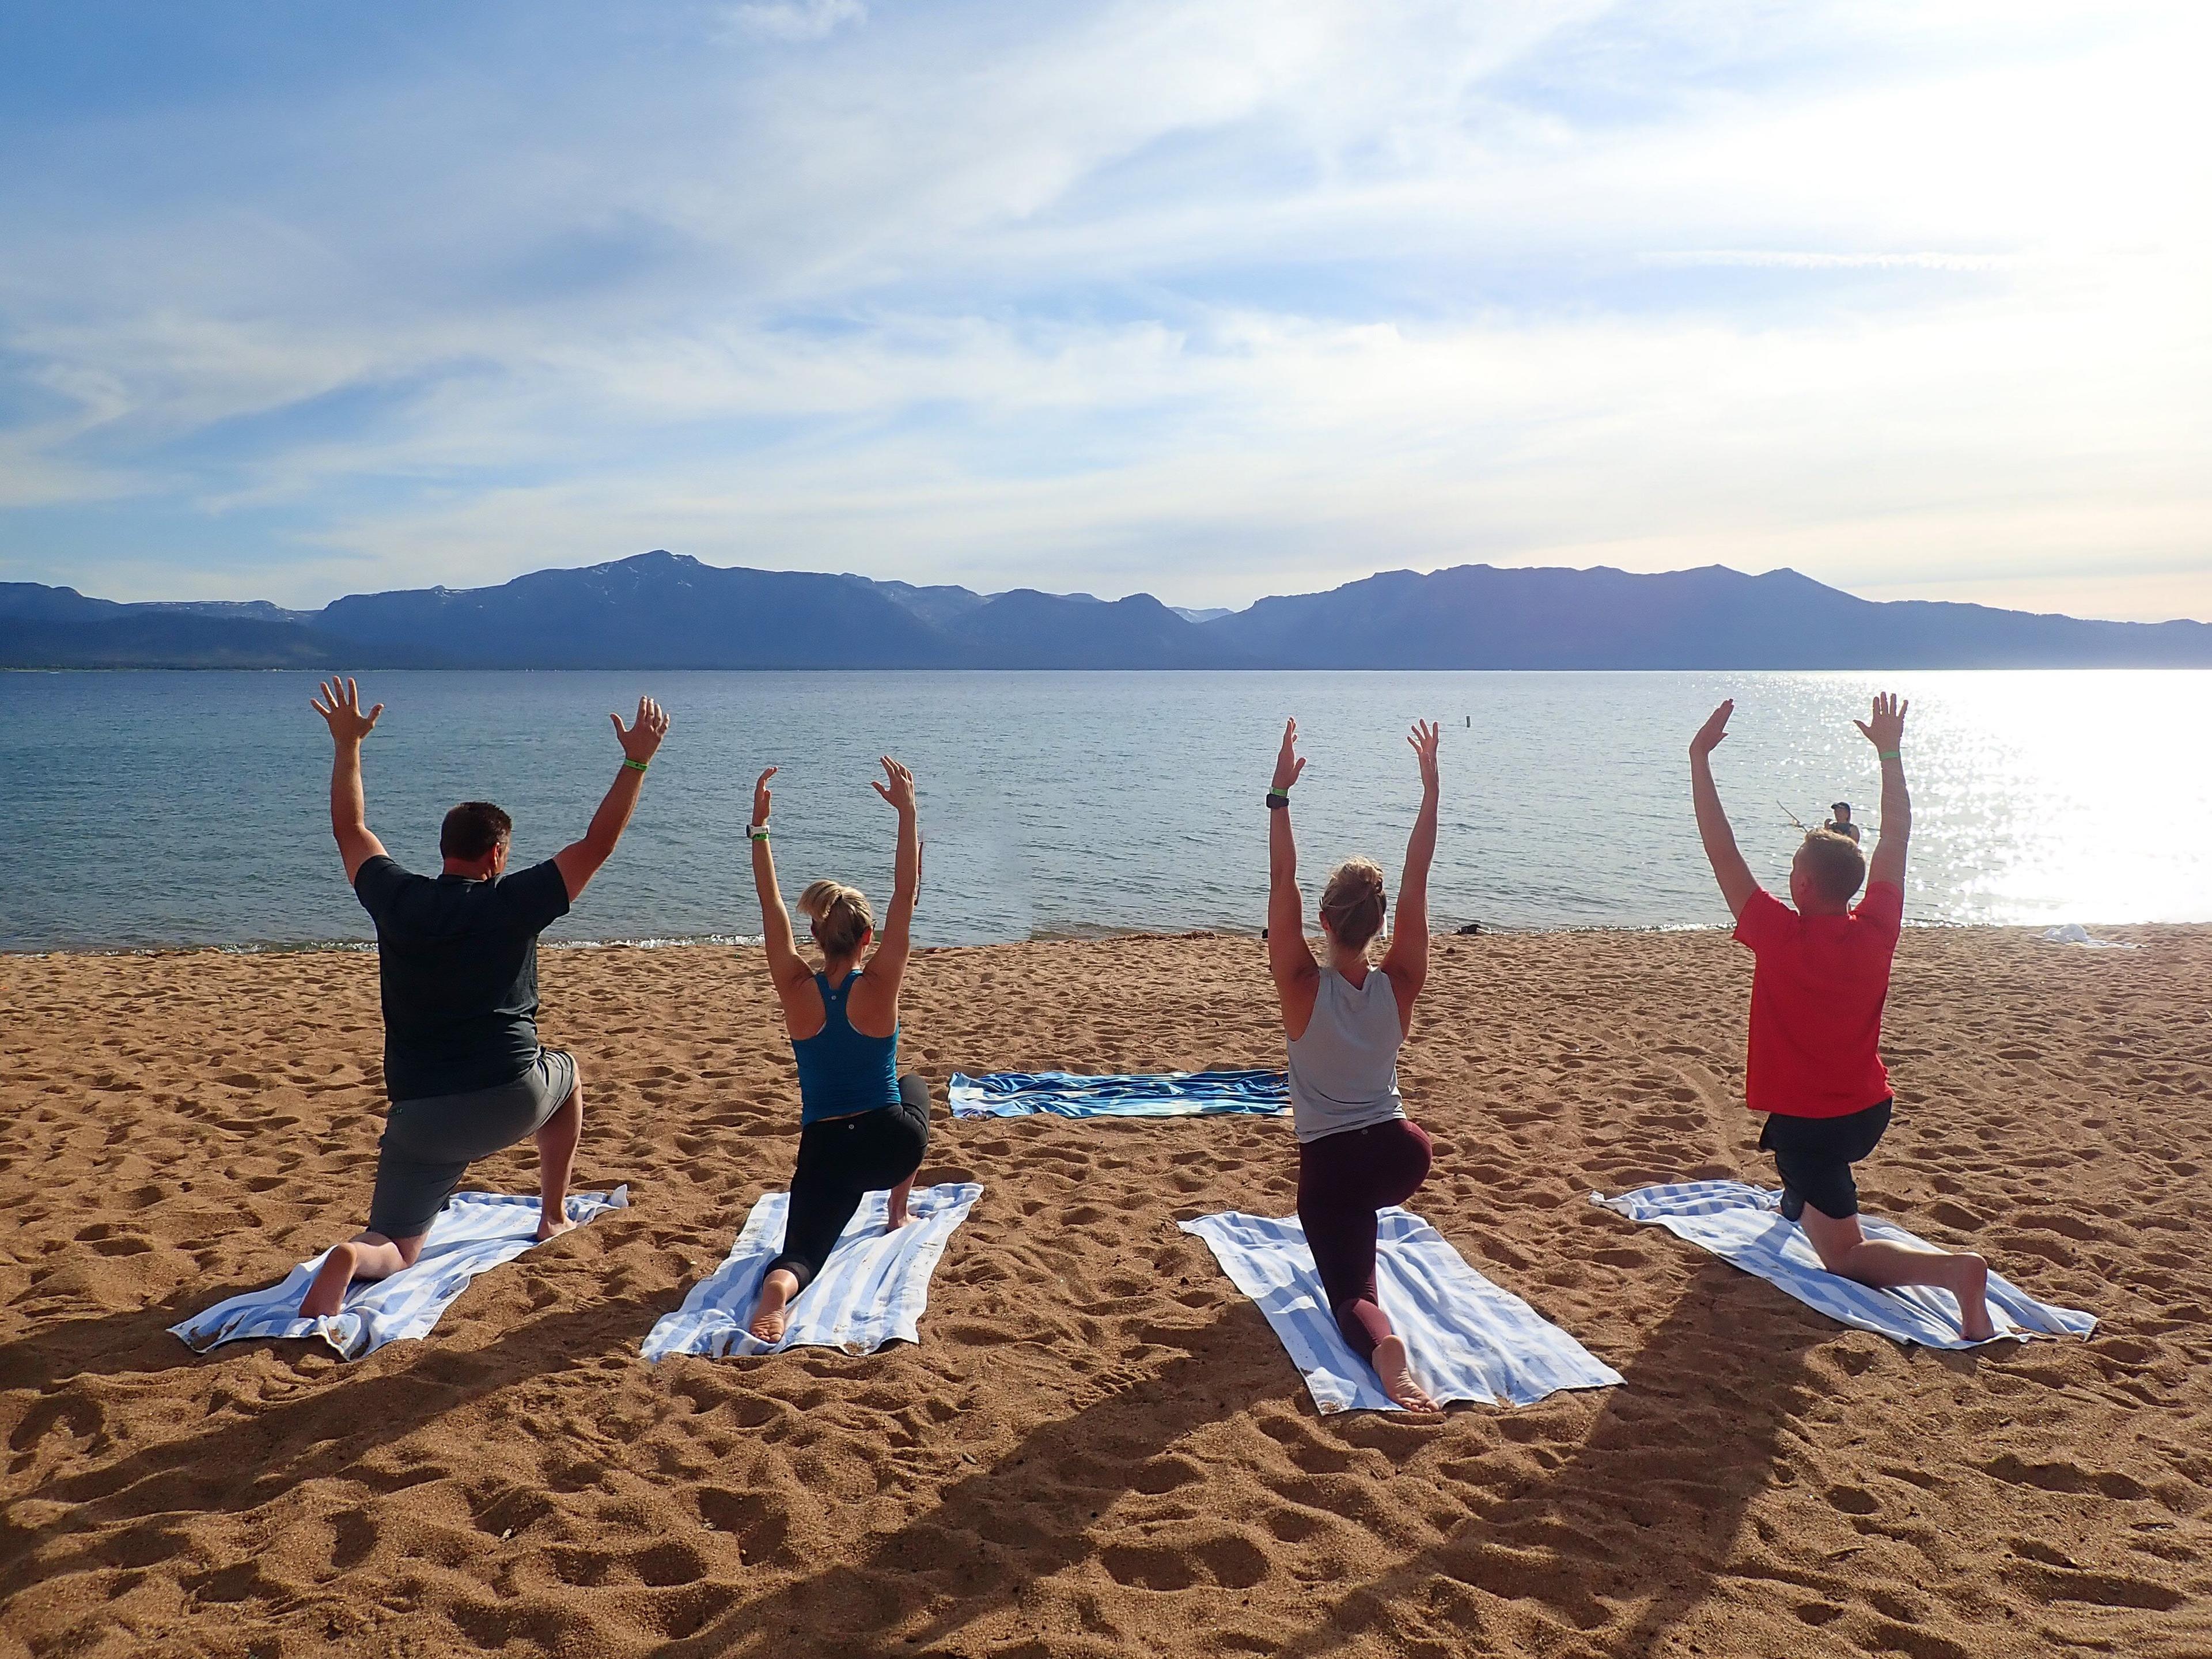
point(1099, 1448)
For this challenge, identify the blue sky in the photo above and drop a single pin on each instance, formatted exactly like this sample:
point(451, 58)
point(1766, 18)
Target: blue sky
point(1210, 300)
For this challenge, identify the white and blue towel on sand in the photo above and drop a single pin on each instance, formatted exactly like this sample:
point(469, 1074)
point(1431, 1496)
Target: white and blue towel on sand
point(1468, 1338)
point(1744, 1225)
point(475, 1231)
point(1073, 1094)
point(872, 1290)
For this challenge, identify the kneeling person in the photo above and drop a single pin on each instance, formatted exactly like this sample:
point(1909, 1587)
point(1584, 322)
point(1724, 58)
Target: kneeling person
point(1822, 976)
point(863, 1127)
point(458, 962)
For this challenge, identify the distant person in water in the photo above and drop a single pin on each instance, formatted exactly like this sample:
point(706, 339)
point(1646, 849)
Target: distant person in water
point(1345, 1019)
point(863, 1128)
point(457, 957)
point(1822, 975)
point(1839, 822)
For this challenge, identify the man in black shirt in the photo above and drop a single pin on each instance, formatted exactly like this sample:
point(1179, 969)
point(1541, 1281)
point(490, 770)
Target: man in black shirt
point(458, 958)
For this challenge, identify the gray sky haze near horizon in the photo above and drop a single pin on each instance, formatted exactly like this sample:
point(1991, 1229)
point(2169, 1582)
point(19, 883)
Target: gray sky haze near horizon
point(1179, 296)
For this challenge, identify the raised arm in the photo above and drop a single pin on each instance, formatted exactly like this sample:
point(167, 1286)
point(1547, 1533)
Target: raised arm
point(580, 860)
point(879, 986)
point(1885, 730)
point(1289, 959)
point(340, 712)
point(1729, 868)
point(786, 969)
point(1406, 961)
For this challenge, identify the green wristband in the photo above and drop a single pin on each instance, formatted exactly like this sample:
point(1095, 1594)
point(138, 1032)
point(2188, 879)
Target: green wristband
point(1891, 754)
point(634, 765)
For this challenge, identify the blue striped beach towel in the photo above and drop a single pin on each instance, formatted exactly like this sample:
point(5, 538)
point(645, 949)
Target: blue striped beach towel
point(1468, 1338)
point(1164, 1094)
point(872, 1290)
point(1744, 1226)
point(475, 1232)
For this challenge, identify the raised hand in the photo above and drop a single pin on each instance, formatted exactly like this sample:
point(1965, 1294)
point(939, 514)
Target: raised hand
point(1714, 732)
point(761, 796)
point(899, 792)
point(643, 736)
point(1423, 737)
point(341, 711)
point(1885, 727)
point(1288, 765)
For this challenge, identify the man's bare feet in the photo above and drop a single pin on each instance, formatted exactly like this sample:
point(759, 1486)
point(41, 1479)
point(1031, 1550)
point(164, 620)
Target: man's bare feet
point(1971, 1288)
point(768, 1320)
point(327, 1294)
point(1396, 1367)
point(553, 1226)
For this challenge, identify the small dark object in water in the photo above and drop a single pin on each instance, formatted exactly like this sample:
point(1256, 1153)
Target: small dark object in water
point(1263, 932)
point(1468, 927)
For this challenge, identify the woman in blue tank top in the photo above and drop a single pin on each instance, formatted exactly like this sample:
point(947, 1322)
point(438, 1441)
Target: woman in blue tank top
point(863, 1128)
point(1345, 1019)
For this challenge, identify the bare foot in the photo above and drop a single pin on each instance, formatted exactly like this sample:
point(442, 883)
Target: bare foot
point(553, 1226)
point(895, 1207)
point(767, 1321)
point(1396, 1367)
point(1972, 1291)
point(327, 1294)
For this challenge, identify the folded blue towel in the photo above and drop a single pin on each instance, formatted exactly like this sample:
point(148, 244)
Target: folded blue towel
point(1467, 1338)
point(872, 1290)
point(1072, 1094)
point(475, 1231)
point(1744, 1225)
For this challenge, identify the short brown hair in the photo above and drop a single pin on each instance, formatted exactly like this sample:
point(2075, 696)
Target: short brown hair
point(1352, 903)
point(472, 829)
point(1834, 864)
point(841, 915)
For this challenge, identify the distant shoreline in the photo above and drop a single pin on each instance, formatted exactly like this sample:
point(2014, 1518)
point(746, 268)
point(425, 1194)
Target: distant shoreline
point(2119, 930)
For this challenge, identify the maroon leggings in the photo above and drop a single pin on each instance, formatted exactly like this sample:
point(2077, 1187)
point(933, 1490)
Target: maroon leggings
point(1343, 1180)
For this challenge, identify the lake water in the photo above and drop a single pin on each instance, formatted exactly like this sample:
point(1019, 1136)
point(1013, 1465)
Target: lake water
point(151, 809)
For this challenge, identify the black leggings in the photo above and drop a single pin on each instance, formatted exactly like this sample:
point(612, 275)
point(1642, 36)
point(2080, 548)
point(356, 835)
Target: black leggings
point(1343, 1180)
point(840, 1161)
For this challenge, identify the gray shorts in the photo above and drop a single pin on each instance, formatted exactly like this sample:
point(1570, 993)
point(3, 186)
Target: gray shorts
point(428, 1144)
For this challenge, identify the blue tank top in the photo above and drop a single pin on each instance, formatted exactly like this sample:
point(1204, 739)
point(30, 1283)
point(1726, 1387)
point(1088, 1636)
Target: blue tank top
point(840, 1071)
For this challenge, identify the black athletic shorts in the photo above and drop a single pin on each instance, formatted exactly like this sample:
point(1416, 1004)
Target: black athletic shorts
point(1814, 1156)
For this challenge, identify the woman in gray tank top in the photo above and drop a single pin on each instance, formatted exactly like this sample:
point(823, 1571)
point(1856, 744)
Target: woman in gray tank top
point(1344, 1017)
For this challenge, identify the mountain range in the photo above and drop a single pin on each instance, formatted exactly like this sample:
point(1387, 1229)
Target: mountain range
point(663, 610)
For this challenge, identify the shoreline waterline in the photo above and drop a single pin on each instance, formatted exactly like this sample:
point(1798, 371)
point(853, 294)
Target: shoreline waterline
point(1102, 936)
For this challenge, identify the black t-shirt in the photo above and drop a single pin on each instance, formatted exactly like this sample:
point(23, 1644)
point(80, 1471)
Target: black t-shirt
point(458, 961)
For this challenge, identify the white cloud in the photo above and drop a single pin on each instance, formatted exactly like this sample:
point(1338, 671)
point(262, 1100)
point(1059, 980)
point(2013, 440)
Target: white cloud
point(797, 20)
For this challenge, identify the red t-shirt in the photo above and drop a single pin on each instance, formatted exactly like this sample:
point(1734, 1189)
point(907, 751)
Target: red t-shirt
point(1816, 997)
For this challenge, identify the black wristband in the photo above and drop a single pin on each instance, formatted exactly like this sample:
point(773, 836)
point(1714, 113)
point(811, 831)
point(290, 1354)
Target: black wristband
point(1276, 800)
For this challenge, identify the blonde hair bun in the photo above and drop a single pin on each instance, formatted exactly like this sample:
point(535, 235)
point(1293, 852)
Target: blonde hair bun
point(1353, 902)
point(841, 917)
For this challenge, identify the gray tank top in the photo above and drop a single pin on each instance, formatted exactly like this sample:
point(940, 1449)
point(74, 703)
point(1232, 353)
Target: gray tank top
point(1344, 1071)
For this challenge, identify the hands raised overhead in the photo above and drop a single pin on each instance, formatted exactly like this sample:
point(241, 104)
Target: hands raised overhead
point(1288, 765)
point(899, 790)
point(1885, 727)
point(1714, 732)
point(1424, 737)
point(341, 711)
point(761, 797)
point(642, 737)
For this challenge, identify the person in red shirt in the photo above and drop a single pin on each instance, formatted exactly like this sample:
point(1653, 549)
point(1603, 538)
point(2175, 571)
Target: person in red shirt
point(1814, 1062)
